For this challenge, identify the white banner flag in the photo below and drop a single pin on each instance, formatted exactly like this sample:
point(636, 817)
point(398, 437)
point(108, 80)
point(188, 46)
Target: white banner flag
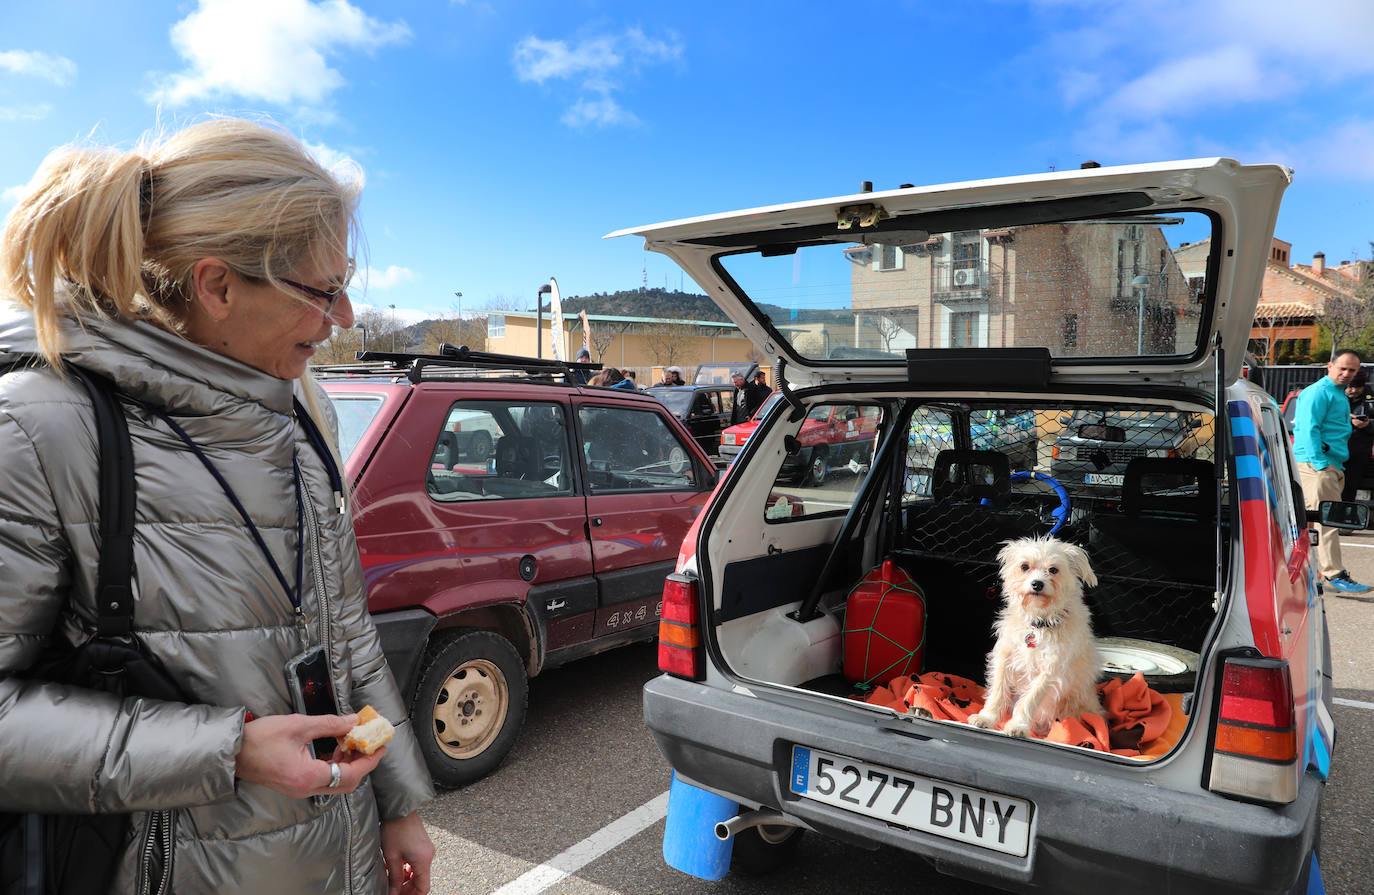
point(556, 320)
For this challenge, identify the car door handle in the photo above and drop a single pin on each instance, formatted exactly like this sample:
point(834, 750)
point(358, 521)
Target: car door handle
point(596, 520)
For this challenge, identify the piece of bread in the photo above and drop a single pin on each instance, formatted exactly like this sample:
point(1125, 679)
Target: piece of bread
point(370, 734)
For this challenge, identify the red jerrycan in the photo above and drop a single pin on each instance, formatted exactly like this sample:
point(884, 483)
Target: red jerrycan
point(884, 626)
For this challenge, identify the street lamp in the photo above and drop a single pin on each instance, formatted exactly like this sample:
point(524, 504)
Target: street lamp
point(459, 296)
point(393, 328)
point(1141, 285)
point(539, 319)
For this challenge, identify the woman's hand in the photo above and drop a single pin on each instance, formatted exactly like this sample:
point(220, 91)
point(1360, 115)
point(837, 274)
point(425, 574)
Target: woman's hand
point(276, 753)
point(408, 853)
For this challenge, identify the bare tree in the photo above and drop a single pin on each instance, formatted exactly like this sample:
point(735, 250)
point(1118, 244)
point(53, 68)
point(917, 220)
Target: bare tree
point(459, 331)
point(1343, 316)
point(665, 342)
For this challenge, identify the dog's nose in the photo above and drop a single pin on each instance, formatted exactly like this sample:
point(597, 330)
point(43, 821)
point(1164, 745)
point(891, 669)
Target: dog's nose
point(1037, 585)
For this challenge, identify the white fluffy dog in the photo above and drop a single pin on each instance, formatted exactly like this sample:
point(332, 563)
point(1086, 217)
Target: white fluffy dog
point(1045, 663)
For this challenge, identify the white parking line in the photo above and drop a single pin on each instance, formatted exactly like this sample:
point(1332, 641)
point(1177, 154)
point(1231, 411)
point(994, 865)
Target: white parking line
point(1345, 543)
point(589, 849)
point(1353, 703)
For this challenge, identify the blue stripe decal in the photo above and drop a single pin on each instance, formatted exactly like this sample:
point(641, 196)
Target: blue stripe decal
point(1315, 885)
point(1241, 425)
point(1247, 466)
point(1250, 488)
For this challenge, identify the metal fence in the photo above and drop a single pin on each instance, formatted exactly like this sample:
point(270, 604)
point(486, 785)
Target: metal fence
point(1280, 380)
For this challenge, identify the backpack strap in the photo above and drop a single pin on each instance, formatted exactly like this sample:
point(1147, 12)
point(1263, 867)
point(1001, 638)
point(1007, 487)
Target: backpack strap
point(114, 593)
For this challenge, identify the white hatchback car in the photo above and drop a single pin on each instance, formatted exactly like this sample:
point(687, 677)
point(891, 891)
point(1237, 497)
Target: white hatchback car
point(1071, 295)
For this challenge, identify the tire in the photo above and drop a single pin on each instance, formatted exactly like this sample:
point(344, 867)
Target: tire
point(764, 849)
point(469, 705)
point(1167, 669)
point(817, 469)
point(482, 446)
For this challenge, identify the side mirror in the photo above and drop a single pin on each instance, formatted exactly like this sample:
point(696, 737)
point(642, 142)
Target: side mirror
point(1346, 516)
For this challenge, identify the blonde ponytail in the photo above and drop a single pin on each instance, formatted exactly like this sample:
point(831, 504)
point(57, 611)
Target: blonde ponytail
point(109, 233)
point(79, 224)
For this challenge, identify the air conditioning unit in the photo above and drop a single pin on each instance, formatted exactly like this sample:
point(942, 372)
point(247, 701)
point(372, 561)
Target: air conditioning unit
point(966, 277)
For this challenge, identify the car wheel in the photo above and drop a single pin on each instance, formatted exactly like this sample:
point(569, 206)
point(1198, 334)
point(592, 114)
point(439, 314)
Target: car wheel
point(818, 468)
point(765, 848)
point(469, 705)
point(1167, 669)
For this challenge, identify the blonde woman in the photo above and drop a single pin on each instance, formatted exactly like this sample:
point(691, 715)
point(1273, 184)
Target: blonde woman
point(199, 274)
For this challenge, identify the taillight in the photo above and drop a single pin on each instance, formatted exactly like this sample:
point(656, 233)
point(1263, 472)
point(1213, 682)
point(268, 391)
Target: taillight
point(1054, 452)
point(1255, 749)
point(679, 636)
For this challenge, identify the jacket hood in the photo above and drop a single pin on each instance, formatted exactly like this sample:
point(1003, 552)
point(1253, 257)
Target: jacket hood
point(150, 364)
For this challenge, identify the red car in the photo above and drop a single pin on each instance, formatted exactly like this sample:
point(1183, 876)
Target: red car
point(506, 525)
point(830, 436)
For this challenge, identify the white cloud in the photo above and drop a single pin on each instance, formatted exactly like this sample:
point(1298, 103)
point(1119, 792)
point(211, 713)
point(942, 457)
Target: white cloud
point(12, 194)
point(600, 65)
point(392, 276)
point(339, 163)
point(270, 50)
point(25, 113)
point(58, 69)
point(1192, 82)
point(602, 112)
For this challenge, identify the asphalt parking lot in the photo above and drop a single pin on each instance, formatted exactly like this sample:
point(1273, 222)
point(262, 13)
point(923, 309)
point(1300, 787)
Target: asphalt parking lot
point(578, 807)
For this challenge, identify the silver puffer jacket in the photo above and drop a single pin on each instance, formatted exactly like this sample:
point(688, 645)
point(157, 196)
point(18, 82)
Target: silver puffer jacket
point(207, 604)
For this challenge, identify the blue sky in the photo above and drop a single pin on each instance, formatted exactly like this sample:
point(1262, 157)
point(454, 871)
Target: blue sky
point(501, 140)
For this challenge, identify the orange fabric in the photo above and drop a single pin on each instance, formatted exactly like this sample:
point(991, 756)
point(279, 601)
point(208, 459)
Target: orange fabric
point(1135, 722)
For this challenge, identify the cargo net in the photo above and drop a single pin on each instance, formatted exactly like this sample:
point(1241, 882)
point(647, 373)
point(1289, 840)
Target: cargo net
point(1135, 488)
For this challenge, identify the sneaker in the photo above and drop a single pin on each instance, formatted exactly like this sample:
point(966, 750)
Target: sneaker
point(1342, 583)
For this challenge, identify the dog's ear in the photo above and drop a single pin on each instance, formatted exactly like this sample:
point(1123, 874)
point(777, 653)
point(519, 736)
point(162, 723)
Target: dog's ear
point(1079, 565)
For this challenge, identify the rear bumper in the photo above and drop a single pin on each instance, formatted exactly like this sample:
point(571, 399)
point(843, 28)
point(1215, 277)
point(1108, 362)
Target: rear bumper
point(1091, 831)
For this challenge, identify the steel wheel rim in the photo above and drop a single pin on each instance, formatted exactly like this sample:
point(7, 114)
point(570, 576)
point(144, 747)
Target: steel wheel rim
point(470, 709)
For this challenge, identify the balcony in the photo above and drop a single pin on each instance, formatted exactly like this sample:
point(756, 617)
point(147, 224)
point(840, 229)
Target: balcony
point(956, 283)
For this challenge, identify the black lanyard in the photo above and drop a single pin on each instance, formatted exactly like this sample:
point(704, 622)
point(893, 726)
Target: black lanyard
point(316, 439)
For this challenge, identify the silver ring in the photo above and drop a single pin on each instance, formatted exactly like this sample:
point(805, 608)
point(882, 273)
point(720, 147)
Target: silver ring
point(335, 775)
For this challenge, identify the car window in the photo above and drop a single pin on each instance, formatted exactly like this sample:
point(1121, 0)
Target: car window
point(703, 405)
point(355, 413)
point(835, 447)
point(679, 401)
point(633, 450)
point(1278, 471)
point(494, 450)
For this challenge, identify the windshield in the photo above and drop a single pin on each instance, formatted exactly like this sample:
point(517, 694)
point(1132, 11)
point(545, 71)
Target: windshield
point(1114, 287)
point(679, 400)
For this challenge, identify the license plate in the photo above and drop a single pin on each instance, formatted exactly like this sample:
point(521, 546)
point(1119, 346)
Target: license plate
point(1098, 478)
point(990, 820)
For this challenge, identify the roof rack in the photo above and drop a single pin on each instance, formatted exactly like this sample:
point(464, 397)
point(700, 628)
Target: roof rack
point(454, 357)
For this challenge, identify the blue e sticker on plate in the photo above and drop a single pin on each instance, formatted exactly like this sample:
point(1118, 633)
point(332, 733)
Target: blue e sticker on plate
point(801, 767)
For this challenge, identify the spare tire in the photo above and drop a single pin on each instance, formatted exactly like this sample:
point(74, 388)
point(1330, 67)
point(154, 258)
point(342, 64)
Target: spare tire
point(1167, 668)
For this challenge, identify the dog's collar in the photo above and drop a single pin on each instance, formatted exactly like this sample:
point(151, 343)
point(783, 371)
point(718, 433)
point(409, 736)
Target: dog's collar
point(1050, 621)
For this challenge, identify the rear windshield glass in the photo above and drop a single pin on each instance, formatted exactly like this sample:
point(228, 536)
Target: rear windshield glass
point(1118, 287)
point(678, 401)
point(355, 413)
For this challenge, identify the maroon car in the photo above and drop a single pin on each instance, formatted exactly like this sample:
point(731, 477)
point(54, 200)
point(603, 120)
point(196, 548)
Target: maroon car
point(509, 521)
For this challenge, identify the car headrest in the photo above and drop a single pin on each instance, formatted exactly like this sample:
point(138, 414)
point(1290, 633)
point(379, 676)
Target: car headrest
point(1171, 485)
point(971, 476)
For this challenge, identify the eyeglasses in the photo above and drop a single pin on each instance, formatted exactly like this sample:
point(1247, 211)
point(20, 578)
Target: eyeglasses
point(329, 297)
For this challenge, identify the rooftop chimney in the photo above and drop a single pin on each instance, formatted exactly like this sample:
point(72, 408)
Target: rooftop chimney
point(1318, 264)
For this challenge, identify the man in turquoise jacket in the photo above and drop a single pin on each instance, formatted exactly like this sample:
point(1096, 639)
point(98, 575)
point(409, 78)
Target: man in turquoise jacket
point(1321, 436)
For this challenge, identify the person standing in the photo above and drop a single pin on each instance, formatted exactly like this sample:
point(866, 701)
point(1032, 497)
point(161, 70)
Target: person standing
point(1361, 437)
point(1321, 441)
point(749, 397)
point(199, 274)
